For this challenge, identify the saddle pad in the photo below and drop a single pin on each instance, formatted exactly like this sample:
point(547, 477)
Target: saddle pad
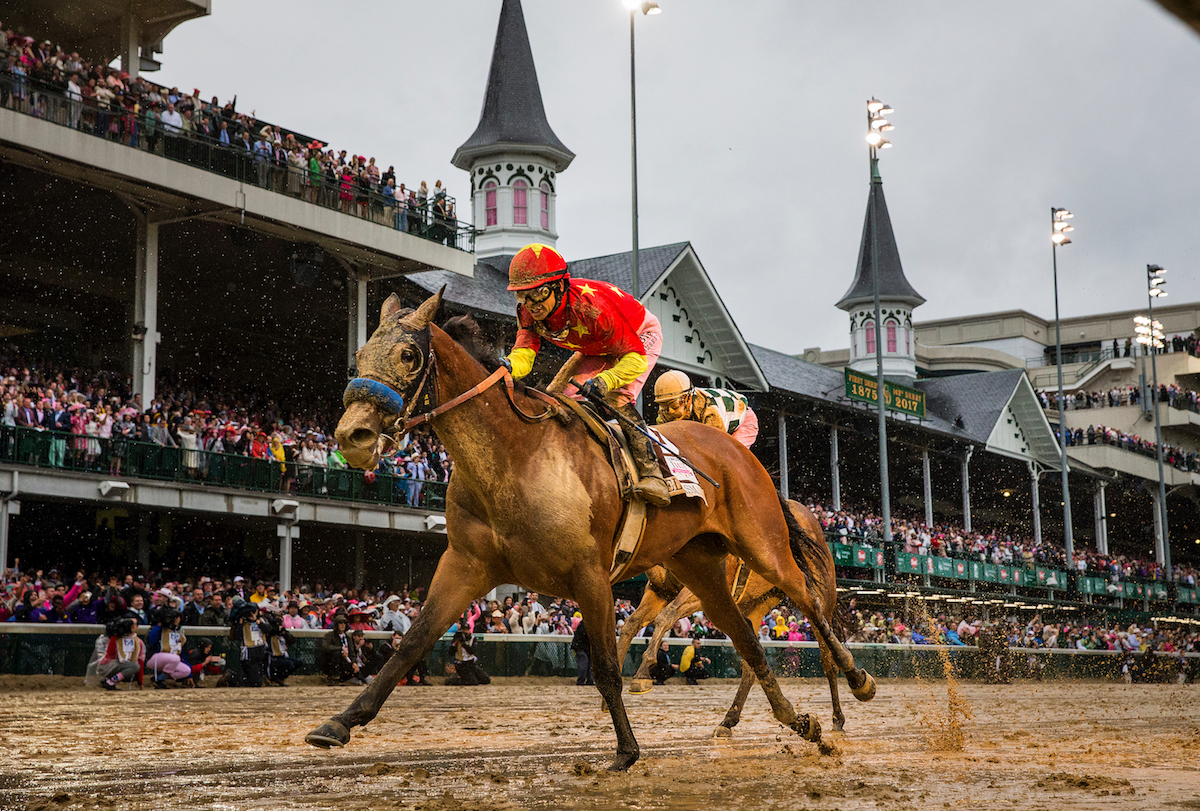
point(677, 469)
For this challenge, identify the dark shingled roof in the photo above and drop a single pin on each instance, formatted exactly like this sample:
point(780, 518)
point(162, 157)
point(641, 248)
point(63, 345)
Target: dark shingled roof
point(977, 398)
point(617, 268)
point(488, 290)
point(513, 115)
point(892, 283)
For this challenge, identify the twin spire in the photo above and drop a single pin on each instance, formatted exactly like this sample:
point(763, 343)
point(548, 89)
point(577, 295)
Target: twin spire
point(513, 117)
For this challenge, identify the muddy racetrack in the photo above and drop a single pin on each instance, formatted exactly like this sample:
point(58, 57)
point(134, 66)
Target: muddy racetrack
point(530, 743)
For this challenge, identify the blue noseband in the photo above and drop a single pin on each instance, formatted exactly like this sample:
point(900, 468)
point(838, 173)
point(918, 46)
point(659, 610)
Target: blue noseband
point(380, 395)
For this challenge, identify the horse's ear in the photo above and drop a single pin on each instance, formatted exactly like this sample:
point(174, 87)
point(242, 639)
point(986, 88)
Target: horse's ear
point(390, 308)
point(428, 309)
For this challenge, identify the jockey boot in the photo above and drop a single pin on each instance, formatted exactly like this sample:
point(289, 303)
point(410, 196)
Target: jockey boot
point(651, 487)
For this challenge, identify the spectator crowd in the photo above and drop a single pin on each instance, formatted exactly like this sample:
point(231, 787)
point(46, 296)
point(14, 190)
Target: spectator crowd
point(46, 81)
point(90, 419)
point(1174, 456)
point(989, 546)
point(1175, 396)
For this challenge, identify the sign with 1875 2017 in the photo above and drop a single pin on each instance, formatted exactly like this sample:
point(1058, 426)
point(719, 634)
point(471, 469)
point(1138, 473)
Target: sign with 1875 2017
point(864, 388)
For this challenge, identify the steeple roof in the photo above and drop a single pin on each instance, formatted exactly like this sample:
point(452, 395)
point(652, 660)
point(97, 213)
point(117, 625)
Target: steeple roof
point(893, 286)
point(513, 116)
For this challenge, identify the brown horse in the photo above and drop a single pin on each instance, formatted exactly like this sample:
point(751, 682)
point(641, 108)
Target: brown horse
point(537, 504)
point(666, 600)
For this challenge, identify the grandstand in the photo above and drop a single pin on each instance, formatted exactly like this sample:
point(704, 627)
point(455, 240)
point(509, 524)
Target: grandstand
point(186, 273)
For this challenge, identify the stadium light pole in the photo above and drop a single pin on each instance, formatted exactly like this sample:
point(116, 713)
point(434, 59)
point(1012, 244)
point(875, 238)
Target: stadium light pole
point(647, 7)
point(1154, 289)
point(876, 126)
point(1058, 236)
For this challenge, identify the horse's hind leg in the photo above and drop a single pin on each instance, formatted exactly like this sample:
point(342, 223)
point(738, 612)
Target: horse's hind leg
point(457, 581)
point(756, 607)
point(775, 563)
point(701, 567)
point(831, 674)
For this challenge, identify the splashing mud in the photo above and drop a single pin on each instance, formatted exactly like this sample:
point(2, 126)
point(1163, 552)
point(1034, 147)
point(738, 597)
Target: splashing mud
point(944, 726)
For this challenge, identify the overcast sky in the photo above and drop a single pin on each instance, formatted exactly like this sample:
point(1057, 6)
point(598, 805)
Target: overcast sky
point(751, 119)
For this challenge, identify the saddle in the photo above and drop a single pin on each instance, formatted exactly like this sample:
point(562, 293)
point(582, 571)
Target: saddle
point(632, 524)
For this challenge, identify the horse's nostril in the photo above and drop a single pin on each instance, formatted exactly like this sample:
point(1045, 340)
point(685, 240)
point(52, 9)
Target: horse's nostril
point(361, 436)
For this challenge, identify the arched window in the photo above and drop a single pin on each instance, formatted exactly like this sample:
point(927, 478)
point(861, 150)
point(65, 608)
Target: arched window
point(545, 205)
point(891, 338)
point(489, 202)
point(870, 329)
point(520, 204)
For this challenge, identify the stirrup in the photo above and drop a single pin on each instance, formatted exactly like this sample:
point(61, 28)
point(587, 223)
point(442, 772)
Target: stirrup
point(653, 490)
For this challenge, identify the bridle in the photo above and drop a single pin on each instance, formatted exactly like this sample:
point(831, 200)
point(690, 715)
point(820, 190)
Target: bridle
point(388, 399)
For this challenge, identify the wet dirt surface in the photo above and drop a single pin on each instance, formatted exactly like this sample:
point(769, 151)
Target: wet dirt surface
point(544, 744)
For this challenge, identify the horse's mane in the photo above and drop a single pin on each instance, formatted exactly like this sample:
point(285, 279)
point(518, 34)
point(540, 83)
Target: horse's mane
point(465, 331)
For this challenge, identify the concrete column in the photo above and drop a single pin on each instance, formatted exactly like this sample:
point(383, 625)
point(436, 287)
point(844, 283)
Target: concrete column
point(287, 532)
point(1101, 515)
point(360, 567)
point(928, 482)
point(835, 473)
point(783, 454)
point(1034, 476)
point(966, 488)
point(1158, 527)
point(6, 508)
point(145, 312)
point(356, 322)
point(131, 34)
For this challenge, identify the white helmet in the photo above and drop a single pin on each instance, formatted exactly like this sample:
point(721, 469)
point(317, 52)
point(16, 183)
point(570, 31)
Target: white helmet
point(671, 384)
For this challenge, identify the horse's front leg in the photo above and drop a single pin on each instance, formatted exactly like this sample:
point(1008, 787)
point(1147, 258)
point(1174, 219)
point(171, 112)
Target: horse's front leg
point(458, 580)
point(595, 599)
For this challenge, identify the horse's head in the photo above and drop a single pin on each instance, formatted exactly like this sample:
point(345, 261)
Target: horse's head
point(392, 367)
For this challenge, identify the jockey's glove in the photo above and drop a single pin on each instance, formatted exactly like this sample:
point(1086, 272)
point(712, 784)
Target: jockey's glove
point(595, 388)
point(507, 364)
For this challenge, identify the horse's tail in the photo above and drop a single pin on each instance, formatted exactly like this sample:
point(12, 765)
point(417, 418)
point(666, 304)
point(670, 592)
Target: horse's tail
point(815, 561)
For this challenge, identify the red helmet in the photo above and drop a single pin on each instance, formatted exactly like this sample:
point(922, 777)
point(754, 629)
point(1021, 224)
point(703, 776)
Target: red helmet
point(534, 265)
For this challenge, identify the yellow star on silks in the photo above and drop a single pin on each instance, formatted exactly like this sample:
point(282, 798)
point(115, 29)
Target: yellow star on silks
point(581, 329)
point(570, 345)
point(617, 290)
point(587, 288)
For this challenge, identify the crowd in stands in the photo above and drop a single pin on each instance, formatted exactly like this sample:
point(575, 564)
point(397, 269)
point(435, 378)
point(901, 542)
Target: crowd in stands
point(948, 629)
point(1173, 395)
point(44, 80)
point(990, 546)
point(92, 417)
point(1178, 343)
point(1174, 456)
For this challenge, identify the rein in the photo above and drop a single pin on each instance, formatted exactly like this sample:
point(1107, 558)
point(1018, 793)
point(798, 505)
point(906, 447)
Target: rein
point(551, 410)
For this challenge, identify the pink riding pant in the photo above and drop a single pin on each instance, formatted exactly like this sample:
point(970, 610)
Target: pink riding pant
point(747, 432)
point(168, 664)
point(650, 333)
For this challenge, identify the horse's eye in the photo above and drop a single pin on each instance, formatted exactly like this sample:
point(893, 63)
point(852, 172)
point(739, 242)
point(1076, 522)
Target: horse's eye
point(407, 355)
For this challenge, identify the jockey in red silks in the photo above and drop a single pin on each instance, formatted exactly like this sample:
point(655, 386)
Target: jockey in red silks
point(619, 339)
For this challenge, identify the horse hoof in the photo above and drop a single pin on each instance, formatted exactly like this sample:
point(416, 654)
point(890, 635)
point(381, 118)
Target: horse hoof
point(623, 761)
point(330, 733)
point(640, 686)
point(722, 732)
point(865, 691)
point(808, 728)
